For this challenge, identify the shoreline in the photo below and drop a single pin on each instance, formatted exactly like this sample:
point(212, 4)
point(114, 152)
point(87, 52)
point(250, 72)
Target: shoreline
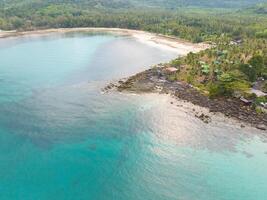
point(180, 46)
point(154, 80)
point(150, 82)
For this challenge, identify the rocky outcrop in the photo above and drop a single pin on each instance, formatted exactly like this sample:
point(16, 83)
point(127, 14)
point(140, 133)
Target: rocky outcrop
point(154, 80)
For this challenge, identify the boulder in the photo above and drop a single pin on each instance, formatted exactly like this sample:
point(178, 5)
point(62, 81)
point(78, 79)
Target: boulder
point(261, 127)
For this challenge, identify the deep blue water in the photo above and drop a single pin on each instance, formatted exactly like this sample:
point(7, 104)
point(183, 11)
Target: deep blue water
point(61, 138)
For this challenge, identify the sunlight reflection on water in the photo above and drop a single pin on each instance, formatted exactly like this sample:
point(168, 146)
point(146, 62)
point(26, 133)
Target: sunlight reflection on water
point(60, 138)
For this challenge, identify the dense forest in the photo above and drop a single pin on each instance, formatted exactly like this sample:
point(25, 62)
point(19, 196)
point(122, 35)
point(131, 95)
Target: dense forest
point(195, 24)
point(237, 31)
point(137, 3)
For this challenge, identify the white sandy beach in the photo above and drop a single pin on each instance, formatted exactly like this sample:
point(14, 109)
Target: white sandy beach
point(181, 47)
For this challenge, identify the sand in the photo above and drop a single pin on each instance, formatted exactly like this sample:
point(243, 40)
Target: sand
point(181, 47)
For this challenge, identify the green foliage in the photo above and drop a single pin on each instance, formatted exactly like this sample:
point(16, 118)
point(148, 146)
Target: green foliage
point(226, 78)
point(261, 34)
point(258, 103)
point(119, 4)
point(196, 25)
point(230, 83)
point(258, 63)
point(232, 68)
point(190, 79)
point(237, 86)
point(228, 88)
point(205, 69)
point(250, 71)
point(176, 62)
point(171, 77)
point(258, 110)
point(260, 100)
point(238, 56)
point(250, 96)
point(231, 76)
point(216, 90)
point(197, 39)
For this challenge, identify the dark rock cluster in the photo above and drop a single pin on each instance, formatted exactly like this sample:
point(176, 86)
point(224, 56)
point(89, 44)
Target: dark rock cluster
point(154, 80)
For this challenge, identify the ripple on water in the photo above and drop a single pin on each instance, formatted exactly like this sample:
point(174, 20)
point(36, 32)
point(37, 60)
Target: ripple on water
point(63, 139)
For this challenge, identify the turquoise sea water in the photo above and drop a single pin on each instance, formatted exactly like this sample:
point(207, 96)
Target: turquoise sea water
point(60, 138)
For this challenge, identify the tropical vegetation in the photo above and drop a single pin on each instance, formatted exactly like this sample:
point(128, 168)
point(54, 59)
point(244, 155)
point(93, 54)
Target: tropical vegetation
point(236, 30)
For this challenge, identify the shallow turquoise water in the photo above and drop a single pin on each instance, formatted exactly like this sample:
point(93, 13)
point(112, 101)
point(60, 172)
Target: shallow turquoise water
point(60, 138)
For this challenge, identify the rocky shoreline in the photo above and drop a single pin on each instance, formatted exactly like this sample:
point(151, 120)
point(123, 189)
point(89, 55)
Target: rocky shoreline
point(154, 80)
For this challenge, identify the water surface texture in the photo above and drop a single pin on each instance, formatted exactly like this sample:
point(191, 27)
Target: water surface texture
point(60, 138)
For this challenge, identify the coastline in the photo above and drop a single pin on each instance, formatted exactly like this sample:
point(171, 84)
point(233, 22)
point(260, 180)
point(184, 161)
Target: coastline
point(181, 47)
point(154, 80)
point(148, 81)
